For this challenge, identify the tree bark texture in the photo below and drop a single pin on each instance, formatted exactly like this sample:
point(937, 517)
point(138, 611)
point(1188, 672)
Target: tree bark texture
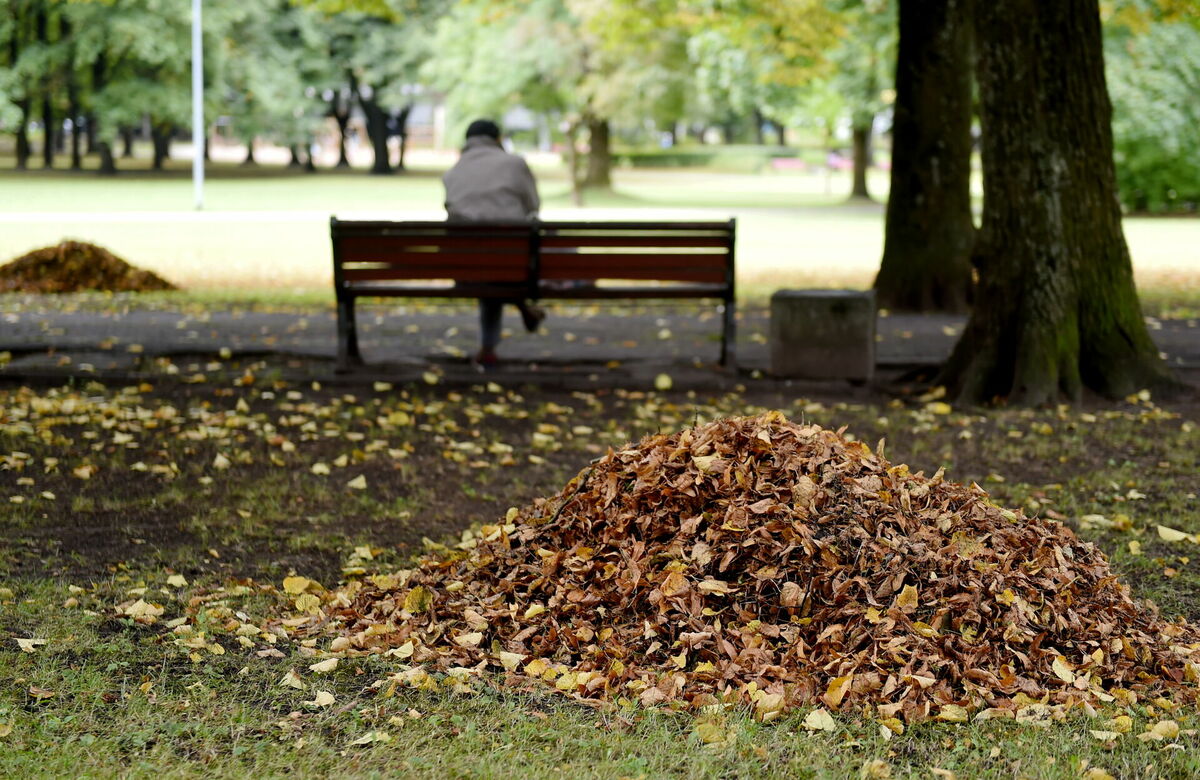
point(48, 131)
point(108, 166)
point(23, 149)
point(249, 160)
point(126, 134)
point(599, 161)
point(342, 117)
point(862, 159)
point(402, 130)
point(929, 233)
point(1056, 311)
point(295, 161)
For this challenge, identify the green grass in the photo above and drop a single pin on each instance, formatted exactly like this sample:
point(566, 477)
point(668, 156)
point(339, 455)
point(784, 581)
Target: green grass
point(128, 701)
point(266, 230)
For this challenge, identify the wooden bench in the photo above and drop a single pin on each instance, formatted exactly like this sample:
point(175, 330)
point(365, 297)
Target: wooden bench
point(537, 261)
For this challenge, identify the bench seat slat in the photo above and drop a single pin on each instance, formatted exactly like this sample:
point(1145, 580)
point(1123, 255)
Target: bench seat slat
point(353, 247)
point(503, 259)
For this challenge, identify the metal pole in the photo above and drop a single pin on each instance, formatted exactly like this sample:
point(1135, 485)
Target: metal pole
point(198, 133)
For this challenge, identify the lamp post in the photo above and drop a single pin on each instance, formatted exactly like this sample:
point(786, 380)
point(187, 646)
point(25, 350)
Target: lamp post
point(198, 134)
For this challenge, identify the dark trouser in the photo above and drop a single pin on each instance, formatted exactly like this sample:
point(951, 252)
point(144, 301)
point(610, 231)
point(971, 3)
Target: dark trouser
point(491, 315)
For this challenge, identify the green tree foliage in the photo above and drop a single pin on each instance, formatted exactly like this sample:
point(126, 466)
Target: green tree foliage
point(1154, 81)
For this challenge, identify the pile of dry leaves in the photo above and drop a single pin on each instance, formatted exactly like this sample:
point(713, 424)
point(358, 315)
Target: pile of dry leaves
point(780, 564)
point(74, 266)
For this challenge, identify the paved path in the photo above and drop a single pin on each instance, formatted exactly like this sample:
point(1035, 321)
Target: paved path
point(405, 339)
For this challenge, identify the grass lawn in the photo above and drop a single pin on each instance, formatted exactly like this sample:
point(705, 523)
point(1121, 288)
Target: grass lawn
point(201, 496)
point(267, 229)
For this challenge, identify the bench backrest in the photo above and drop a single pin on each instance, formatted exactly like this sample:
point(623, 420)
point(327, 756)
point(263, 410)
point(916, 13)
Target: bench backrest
point(696, 252)
point(476, 252)
point(658, 251)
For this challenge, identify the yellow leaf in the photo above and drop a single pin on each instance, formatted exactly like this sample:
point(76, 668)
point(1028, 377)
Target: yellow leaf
point(1062, 670)
point(674, 584)
point(510, 661)
point(372, 736)
point(875, 769)
point(663, 383)
point(403, 651)
point(29, 645)
point(320, 469)
point(907, 601)
point(1096, 773)
point(5, 729)
point(837, 689)
point(1172, 535)
point(820, 720)
point(872, 615)
point(358, 483)
point(939, 407)
point(536, 668)
point(177, 581)
point(469, 640)
point(952, 713)
point(710, 733)
point(328, 665)
point(296, 585)
point(292, 680)
point(307, 602)
point(1105, 736)
point(144, 611)
point(1121, 723)
point(221, 462)
point(323, 699)
point(419, 599)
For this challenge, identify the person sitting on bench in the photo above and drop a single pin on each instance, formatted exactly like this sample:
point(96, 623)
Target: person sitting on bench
point(488, 184)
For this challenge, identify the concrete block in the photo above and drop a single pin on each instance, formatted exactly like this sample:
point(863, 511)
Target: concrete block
point(823, 334)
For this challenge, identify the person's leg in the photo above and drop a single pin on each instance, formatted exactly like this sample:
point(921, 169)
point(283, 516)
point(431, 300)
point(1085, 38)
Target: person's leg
point(490, 317)
point(531, 315)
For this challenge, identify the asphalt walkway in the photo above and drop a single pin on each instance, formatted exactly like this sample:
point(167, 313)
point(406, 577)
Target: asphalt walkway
point(618, 344)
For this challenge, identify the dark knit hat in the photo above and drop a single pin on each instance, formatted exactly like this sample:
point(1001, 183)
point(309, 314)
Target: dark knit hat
point(484, 127)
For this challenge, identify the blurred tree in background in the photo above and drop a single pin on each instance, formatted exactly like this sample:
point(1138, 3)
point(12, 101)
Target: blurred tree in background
point(80, 77)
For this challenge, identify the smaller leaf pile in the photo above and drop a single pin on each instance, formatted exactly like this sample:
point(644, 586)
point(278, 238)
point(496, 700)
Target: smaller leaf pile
point(75, 266)
point(759, 560)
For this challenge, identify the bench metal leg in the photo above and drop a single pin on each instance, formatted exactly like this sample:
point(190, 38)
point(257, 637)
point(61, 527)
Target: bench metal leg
point(347, 336)
point(729, 337)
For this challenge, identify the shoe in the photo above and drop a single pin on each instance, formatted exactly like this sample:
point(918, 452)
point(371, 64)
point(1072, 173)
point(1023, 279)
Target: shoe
point(532, 316)
point(486, 358)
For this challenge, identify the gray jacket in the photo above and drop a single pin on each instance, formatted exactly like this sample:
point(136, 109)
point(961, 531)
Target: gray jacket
point(489, 184)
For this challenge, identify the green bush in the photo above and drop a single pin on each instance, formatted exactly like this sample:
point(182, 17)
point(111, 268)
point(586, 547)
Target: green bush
point(740, 158)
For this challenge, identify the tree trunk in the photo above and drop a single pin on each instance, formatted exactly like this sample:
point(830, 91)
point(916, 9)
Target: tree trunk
point(342, 117)
point(573, 164)
point(249, 153)
point(929, 233)
point(161, 138)
point(47, 132)
point(1057, 310)
point(402, 131)
point(23, 149)
point(599, 161)
point(862, 156)
point(108, 166)
point(377, 132)
point(126, 142)
point(73, 109)
point(760, 130)
point(310, 165)
point(89, 127)
point(295, 152)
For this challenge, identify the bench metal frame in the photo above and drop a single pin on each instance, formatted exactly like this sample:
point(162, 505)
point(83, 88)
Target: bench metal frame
point(506, 260)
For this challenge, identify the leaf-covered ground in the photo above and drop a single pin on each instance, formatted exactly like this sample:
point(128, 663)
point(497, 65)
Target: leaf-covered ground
point(199, 498)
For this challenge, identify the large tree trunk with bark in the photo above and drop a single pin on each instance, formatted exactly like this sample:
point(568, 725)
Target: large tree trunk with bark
point(862, 160)
point(927, 247)
point(1057, 311)
point(599, 161)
